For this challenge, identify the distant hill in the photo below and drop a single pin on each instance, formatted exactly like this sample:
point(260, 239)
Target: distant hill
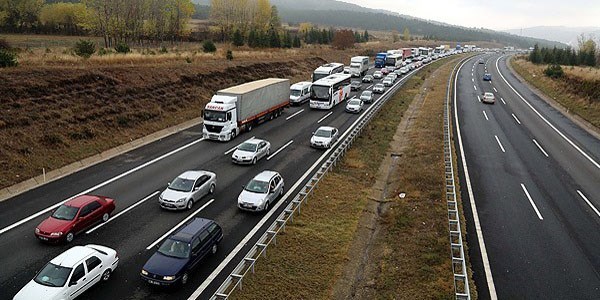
point(342, 14)
point(567, 35)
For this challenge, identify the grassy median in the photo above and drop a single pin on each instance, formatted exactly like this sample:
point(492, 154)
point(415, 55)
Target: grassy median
point(311, 256)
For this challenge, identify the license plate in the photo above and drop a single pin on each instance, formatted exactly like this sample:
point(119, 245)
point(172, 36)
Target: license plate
point(43, 238)
point(154, 282)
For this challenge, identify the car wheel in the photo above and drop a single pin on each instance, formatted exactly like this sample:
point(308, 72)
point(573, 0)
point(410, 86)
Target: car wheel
point(105, 217)
point(106, 275)
point(254, 161)
point(212, 189)
point(272, 116)
point(268, 152)
point(281, 192)
point(266, 208)
point(190, 204)
point(184, 278)
point(214, 249)
point(69, 237)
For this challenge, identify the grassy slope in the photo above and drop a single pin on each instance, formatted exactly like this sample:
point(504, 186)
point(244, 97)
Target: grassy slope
point(310, 256)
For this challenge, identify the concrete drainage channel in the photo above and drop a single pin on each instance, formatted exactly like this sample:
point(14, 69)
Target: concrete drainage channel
point(234, 280)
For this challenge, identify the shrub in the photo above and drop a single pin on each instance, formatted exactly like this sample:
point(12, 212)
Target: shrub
point(163, 49)
point(85, 48)
point(209, 46)
point(188, 60)
point(103, 51)
point(554, 71)
point(122, 47)
point(8, 59)
point(4, 45)
point(229, 55)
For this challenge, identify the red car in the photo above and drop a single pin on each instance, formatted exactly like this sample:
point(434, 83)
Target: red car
point(73, 217)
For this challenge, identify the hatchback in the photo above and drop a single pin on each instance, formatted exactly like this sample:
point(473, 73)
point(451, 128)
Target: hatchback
point(186, 189)
point(261, 191)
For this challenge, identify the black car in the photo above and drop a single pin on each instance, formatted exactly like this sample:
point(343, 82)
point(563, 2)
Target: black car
point(181, 252)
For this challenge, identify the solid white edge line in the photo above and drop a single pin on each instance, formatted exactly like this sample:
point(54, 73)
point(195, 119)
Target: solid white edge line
point(531, 201)
point(516, 119)
point(281, 201)
point(545, 120)
point(500, 144)
point(123, 212)
point(540, 147)
point(25, 220)
point(180, 223)
point(280, 149)
point(295, 114)
point(233, 149)
point(325, 117)
point(588, 202)
point(482, 248)
point(485, 115)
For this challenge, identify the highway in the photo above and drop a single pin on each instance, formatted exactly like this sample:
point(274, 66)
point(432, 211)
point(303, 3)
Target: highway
point(533, 186)
point(136, 178)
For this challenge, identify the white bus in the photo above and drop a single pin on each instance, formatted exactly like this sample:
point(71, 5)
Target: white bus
point(394, 61)
point(329, 91)
point(326, 70)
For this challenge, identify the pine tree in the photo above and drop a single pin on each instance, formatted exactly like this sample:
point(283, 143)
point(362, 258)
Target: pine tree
point(366, 36)
point(296, 43)
point(287, 40)
point(238, 39)
point(252, 38)
point(535, 56)
point(274, 41)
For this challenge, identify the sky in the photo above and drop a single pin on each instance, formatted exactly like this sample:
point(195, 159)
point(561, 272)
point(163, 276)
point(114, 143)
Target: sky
point(496, 14)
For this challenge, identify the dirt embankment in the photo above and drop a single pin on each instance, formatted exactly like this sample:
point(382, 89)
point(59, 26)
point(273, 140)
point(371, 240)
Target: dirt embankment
point(52, 116)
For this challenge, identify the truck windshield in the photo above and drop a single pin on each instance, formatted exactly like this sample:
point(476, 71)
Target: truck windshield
point(390, 61)
point(319, 93)
point(214, 116)
point(317, 76)
point(295, 93)
point(355, 66)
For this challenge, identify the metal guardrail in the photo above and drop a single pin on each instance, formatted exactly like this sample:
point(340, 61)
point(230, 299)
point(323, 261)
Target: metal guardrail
point(459, 267)
point(234, 280)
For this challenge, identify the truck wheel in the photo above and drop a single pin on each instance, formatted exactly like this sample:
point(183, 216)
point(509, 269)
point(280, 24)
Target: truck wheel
point(232, 134)
point(249, 127)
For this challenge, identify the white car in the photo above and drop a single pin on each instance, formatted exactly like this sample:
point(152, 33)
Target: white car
point(250, 151)
point(388, 81)
point(404, 70)
point(324, 137)
point(354, 106)
point(186, 189)
point(378, 75)
point(379, 88)
point(488, 98)
point(261, 191)
point(367, 97)
point(71, 273)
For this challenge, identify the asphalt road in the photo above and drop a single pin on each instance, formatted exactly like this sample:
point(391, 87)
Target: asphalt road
point(135, 178)
point(536, 183)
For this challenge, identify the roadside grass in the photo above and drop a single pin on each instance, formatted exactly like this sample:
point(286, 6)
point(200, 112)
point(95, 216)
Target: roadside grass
point(564, 91)
point(310, 256)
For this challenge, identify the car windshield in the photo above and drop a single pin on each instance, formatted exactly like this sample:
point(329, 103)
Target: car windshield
point(175, 248)
point(65, 212)
point(379, 86)
point(377, 73)
point(354, 102)
point(319, 92)
point(489, 95)
point(214, 116)
point(295, 93)
point(53, 275)
point(323, 133)
point(181, 184)
point(257, 186)
point(366, 94)
point(356, 83)
point(249, 147)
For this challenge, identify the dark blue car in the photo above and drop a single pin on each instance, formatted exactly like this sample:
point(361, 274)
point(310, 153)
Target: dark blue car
point(487, 77)
point(180, 253)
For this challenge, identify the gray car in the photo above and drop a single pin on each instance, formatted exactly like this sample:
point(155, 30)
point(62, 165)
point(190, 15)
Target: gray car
point(186, 189)
point(261, 191)
point(367, 96)
point(250, 151)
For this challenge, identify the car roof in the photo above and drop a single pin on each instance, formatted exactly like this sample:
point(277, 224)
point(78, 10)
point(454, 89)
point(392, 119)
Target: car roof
point(328, 128)
point(73, 256)
point(187, 232)
point(489, 94)
point(193, 175)
point(254, 141)
point(300, 84)
point(81, 201)
point(380, 84)
point(265, 175)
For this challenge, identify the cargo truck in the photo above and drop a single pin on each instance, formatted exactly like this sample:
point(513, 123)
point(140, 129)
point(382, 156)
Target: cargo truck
point(240, 108)
point(380, 60)
point(359, 65)
point(406, 53)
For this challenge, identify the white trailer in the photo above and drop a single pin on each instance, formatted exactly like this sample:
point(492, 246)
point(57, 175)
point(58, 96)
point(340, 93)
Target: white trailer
point(359, 65)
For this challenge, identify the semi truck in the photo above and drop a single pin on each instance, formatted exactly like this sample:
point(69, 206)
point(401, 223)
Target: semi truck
point(240, 108)
point(406, 53)
point(380, 60)
point(359, 65)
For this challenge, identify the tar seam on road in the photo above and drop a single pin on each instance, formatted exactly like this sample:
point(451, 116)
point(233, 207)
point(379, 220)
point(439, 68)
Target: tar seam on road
point(484, 256)
point(531, 201)
point(588, 202)
point(235, 148)
point(123, 212)
point(540, 147)
point(280, 149)
point(500, 144)
point(325, 117)
point(546, 120)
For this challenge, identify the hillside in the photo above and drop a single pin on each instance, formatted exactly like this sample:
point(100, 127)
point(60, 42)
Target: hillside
point(563, 34)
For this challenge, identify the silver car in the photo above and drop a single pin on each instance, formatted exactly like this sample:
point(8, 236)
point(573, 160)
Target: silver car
point(354, 106)
point(261, 191)
point(388, 81)
point(379, 88)
point(324, 137)
point(186, 189)
point(250, 151)
point(367, 96)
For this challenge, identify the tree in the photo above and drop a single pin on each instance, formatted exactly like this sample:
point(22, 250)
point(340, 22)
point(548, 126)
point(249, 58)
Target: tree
point(69, 18)
point(85, 48)
point(406, 34)
point(253, 38)
point(287, 40)
point(274, 41)
point(19, 15)
point(209, 47)
point(535, 56)
point(366, 36)
point(297, 43)
point(343, 39)
point(238, 39)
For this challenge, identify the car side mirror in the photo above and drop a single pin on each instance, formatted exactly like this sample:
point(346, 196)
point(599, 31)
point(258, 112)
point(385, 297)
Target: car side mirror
point(72, 283)
point(313, 133)
point(196, 188)
point(243, 187)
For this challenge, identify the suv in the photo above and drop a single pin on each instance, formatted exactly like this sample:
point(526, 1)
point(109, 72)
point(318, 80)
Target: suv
point(181, 252)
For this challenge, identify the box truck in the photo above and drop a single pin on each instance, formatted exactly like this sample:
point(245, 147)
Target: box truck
point(359, 65)
point(242, 107)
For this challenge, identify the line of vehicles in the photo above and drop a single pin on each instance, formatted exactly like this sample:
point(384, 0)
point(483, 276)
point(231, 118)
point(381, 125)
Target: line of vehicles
point(229, 112)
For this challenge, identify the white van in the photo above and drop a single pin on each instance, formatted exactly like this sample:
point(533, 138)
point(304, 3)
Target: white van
point(300, 92)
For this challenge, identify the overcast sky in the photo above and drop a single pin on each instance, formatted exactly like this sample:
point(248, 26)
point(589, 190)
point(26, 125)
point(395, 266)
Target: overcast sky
point(496, 14)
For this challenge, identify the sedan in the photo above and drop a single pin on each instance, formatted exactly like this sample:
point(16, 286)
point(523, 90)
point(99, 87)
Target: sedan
point(367, 97)
point(385, 71)
point(355, 85)
point(378, 75)
point(368, 79)
point(250, 151)
point(71, 273)
point(186, 189)
point(488, 98)
point(261, 191)
point(404, 70)
point(354, 106)
point(388, 81)
point(379, 88)
point(487, 77)
point(73, 217)
point(324, 137)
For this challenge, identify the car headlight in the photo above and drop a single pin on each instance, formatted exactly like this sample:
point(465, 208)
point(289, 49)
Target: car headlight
point(56, 233)
point(144, 272)
point(181, 200)
point(37, 230)
point(169, 278)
